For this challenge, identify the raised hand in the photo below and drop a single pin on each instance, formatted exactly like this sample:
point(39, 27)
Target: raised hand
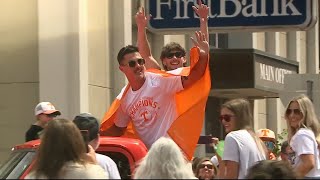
point(141, 18)
point(202, 11)
point(201, 43)
point(215, 140)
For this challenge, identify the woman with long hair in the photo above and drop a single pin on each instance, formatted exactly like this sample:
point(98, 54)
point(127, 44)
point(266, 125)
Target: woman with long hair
point(63, 155)
point(164, 160)
point(303, 136)
point(242, 147)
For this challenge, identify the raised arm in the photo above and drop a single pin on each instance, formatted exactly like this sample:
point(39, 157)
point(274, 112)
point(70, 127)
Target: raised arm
point(142, 41)
point(203, 12)
point(199, 68)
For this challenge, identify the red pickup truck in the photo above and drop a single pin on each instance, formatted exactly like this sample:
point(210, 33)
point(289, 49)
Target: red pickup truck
point(124, 151)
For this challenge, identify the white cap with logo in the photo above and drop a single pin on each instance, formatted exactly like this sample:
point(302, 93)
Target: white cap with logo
point(45, 108)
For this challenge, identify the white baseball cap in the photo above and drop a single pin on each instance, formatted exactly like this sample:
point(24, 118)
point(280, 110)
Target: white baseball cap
point(45, 108)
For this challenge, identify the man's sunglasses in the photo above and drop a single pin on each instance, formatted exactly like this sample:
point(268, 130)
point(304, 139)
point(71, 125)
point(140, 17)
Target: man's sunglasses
point(269, 144)
point(226, 117)
point(295, 111)
point(209, 166)
point(133, 63)
point(176, 54)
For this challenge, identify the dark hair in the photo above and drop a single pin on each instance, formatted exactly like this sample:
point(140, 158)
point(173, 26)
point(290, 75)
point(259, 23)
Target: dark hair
point(284, 146)
point(126, 50)
point(271, 169)
point(61, 142)
point(86, 121)
point(171, 47)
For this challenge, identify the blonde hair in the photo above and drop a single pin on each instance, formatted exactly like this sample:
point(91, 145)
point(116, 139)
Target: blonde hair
point(242, 111)
point(164, 161)
point(309, 117)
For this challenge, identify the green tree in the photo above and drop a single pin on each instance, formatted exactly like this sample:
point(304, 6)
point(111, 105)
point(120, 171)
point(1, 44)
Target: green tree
point(280, 138)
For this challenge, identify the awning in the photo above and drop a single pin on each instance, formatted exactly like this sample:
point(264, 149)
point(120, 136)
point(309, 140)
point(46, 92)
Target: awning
point(248, 73)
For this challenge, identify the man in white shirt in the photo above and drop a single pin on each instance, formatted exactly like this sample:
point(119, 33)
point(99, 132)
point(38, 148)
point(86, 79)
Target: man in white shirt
point(86, 121)
point(149, 102)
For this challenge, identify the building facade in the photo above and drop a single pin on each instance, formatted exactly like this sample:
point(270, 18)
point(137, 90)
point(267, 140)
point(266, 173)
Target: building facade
point(65, 52)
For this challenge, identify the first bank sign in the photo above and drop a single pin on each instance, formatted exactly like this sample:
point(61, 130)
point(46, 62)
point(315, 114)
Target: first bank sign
point(225, 15)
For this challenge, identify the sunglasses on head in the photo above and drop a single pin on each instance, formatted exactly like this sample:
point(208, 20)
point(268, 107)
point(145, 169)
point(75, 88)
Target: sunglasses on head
point(209, 166)
point(226, 117)
point(133, 63)
point(177, 54)
point(269, 144)
point(295, 111)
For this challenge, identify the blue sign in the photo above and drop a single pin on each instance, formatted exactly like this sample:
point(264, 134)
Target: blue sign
point(225, 15)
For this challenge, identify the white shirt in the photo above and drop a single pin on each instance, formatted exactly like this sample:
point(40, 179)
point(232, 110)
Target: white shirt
point(214, 160)
point(108, 165)
point(152, 108)
point(304, 142)
point(76, 171)
point(240, 147)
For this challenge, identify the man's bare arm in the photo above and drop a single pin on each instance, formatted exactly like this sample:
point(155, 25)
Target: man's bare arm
point(142, 41)
point(113, 131)
point(203, 12)
point(199, 68)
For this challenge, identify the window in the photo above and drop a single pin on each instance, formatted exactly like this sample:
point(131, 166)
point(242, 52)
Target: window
point(17, 163)
point(22, 166)
point(218, 40)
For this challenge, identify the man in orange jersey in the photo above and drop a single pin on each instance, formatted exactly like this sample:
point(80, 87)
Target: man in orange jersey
point(149, 101)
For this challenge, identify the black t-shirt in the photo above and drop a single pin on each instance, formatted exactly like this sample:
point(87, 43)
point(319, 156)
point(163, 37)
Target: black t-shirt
point(33, 132)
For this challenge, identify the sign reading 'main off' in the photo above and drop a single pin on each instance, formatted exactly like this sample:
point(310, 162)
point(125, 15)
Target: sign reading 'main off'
point(229, 15)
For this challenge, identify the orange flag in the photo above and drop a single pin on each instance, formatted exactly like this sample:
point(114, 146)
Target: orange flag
point(190, 103)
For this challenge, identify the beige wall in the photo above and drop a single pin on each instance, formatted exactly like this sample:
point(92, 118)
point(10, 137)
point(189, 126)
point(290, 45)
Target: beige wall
point(19, 80)
point(98, 60)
